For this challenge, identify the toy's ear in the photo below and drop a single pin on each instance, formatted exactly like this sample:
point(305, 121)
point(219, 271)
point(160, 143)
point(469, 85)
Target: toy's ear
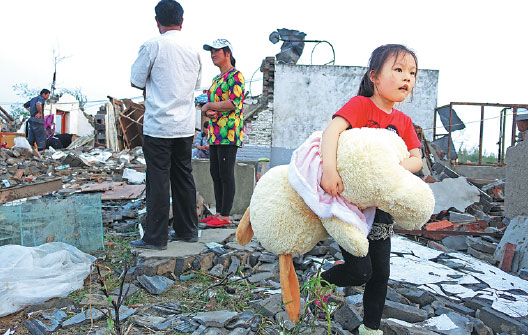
point(244, 232)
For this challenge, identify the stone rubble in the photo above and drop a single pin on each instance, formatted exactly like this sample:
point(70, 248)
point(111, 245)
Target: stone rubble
point(451, 294)
point(458, 301)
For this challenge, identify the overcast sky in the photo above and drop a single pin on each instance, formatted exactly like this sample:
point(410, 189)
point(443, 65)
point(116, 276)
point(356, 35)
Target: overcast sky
point(478, 46)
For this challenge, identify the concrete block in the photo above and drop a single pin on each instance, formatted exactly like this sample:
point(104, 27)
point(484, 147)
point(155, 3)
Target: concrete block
point(404, 312)
point(482, 256)
point(245, 178)
point(500, 322)
point(458, 243)
point(348, 317)
point(481, 245)
point(398, 327)
point(416, 296)
point(465, 195)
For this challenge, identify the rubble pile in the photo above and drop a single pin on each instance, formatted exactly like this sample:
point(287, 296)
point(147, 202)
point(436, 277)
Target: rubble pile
point(75, 167)
point(447, 293)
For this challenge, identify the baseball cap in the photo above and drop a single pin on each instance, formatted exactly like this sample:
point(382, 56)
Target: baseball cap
point(522, 114)
point(218, 44)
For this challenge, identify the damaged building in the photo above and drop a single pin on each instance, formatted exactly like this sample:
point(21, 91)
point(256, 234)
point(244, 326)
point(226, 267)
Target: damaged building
point(470, 279)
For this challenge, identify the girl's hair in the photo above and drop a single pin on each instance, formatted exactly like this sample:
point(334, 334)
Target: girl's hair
point(233, 61)
point(377, 59)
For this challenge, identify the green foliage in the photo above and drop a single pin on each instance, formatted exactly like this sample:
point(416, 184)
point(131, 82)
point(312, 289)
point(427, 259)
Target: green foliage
point(78, 94)
point(26, 93)
point(472, 155)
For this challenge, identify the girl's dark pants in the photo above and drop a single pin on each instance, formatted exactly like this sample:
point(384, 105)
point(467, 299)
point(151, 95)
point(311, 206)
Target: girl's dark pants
point(373, 269)
point(222, 167)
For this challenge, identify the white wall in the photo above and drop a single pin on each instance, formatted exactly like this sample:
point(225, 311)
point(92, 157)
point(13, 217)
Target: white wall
point(76, 122)
point(305, 98)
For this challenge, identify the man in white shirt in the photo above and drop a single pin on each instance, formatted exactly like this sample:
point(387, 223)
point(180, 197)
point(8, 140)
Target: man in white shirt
point(168, 70)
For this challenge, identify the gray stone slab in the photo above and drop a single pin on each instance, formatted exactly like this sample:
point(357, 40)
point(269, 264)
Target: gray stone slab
point(185, 249)
point(215, 318)
point(500, 322)
point(348, 317)
point(455, 242)
point(261, 276)
point(269, 306)
point(416, 296)
point(465, 195)
point(399, 327)
point(482, 255)
point(155, 285)
point(217, 270)
point(481, 245)
point(404, 312)
point(152, 322)
point(94, 300)
point(449, 324)
point(128, 289)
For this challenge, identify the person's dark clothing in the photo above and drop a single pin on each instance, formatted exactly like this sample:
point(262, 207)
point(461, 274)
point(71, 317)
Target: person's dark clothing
point(38, 100)
point(55, 143)
point(37, 133)
point(65, 139)
point(373, 269)
point(169, 166)
point(222, 167)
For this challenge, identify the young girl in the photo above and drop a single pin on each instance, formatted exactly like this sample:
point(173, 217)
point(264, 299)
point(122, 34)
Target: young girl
point(389, 79)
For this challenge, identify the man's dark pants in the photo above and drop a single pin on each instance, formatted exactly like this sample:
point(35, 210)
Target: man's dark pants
point(37, 133)
point(169, 166)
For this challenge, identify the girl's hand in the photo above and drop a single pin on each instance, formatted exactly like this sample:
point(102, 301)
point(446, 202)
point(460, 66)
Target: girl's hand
point(331, 182)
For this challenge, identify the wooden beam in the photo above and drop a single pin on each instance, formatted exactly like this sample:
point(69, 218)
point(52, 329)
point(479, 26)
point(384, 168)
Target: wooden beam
point(25, 191)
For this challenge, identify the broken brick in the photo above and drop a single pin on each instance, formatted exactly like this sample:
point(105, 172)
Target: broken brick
point(440, 225)
point(18, 174)
point(506, 259)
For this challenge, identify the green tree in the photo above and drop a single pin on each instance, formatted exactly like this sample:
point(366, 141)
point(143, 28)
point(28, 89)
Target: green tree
point(472, 155)
point(26, 93)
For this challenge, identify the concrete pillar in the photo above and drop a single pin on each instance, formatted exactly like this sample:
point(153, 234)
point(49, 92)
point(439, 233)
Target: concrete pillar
point(516, 183)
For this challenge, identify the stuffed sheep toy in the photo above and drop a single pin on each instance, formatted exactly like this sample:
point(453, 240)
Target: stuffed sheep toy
point(283, 217)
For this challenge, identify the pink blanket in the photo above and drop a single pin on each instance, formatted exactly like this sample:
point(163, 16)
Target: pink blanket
point(304, 175)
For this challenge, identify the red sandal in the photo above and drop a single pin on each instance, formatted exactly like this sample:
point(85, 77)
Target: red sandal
point(216, 222)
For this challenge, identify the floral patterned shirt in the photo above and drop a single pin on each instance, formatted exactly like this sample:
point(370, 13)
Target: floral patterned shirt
point(228, 127)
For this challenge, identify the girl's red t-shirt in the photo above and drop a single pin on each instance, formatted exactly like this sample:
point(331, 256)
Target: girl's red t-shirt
point(361, 112)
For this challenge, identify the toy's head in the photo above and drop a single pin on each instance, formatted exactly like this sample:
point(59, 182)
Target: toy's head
point(368, 161)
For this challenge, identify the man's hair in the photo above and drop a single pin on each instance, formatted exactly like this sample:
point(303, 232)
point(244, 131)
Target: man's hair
point(206, 124)
point(44, 91)
point(169, 13)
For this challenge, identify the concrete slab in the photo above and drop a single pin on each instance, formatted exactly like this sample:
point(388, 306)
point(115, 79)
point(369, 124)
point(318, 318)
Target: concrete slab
point(184, 249)
point(454, 192)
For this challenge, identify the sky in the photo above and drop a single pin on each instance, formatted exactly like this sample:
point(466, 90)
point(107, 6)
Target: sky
point(478, 46)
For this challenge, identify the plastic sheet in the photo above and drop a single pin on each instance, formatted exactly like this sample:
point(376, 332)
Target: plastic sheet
point(32, 275)
point(76, 220)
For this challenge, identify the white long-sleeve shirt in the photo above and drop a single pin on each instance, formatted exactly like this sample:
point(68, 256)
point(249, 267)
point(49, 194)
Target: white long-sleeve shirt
point(170, 69)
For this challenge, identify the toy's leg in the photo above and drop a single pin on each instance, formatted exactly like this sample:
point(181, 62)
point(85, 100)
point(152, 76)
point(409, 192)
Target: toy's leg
point(290, 287)
point(244, 232)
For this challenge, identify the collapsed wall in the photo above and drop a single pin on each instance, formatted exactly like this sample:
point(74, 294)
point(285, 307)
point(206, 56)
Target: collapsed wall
point(301, 99)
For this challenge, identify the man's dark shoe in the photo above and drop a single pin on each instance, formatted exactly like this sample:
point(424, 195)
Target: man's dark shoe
point(183, 239)
point(144, 245)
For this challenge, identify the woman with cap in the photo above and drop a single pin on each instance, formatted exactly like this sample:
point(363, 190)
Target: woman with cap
point(224, 109)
